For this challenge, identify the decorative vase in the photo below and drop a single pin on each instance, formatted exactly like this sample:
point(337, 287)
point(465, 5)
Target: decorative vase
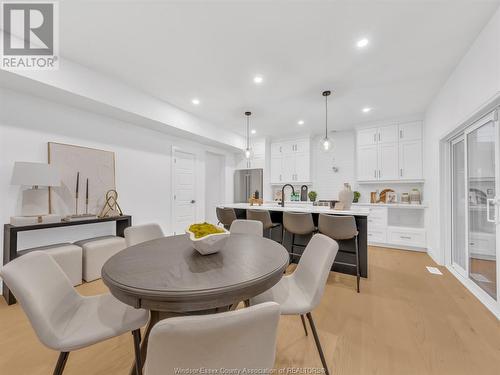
point(346, 196)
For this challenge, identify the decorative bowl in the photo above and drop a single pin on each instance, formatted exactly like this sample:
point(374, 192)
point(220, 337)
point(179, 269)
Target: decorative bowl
point(209, 244)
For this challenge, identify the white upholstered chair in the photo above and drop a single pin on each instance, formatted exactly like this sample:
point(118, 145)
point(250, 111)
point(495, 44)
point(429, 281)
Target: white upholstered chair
point(241, 339)
point(142, 233)
point(247, 227)
point(300, 292)
point(63, 319)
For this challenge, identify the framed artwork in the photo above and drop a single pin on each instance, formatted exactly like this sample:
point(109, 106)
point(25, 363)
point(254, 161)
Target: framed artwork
point(78, 165)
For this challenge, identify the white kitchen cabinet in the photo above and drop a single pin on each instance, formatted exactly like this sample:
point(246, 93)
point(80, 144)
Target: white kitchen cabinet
point(291, 161)
point(276, 169)
point(276, 149)
point(410, 160)
point(288, 167)
point(386, 229)
point(411, 131)
point(367, 137)
point(390, 153)
point(406, 236)
point(388, 134)
point(368, 163)
point(388, 161)
point(302, 167)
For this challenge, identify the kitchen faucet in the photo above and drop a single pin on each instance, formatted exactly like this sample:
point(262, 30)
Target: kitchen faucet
point(283, 194)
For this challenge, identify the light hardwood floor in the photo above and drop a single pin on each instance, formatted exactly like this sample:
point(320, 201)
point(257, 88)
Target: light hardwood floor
point(405, 321)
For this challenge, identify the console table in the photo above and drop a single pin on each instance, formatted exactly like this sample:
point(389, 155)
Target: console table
point(10, 239)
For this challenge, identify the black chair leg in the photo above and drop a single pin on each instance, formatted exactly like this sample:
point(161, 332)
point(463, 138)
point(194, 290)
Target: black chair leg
point(137, 349)
point(318, 343)
point(357, 262)
point(304, 323)
point(61, 363)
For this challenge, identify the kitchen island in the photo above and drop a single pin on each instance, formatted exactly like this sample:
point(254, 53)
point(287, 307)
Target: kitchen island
point(347, 254)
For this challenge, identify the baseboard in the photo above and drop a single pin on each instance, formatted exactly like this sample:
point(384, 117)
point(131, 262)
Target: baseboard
point(397, 247)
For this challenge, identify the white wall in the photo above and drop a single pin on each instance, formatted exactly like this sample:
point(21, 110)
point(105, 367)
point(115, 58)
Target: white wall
point(214, 184)
point(474, 83)
point(143, 160)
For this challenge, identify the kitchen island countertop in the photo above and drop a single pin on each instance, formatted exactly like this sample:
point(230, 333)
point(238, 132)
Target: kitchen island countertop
point(290, 207)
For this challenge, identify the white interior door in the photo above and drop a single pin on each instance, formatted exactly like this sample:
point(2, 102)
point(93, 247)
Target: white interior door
point(184, 199)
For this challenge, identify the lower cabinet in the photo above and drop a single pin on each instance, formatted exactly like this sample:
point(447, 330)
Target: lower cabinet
point(382, 230)
point(406, 236)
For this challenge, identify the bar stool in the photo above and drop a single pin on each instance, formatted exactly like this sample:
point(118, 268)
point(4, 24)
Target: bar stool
point(226, 216)
point(341, 228)
point(265, 218)
point(297, 223)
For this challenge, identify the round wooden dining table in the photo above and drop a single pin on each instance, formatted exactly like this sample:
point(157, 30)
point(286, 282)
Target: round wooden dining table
point(170, 278)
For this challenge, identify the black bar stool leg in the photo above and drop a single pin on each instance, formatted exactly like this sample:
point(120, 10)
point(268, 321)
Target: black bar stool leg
point(137, 349)
point(61, 363)
point(304, 323)
point(318, 343)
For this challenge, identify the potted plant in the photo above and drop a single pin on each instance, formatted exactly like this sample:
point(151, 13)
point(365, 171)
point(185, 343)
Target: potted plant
point(357, 194)
point(312, 196)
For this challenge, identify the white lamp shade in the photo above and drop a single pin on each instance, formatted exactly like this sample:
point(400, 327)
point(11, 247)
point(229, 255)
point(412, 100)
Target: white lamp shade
point(35, 174)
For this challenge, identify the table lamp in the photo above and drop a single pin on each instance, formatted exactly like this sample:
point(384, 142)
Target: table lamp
point(35, 201)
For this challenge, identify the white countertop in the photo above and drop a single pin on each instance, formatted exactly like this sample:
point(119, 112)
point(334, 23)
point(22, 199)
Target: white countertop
point(293, 207)
point(391, 205)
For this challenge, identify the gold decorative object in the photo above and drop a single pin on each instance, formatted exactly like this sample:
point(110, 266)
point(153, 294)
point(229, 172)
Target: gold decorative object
point(255, 201)
point(111, 207)
point(383, 195)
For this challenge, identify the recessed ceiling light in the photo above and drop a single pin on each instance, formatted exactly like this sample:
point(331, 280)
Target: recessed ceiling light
point(258, 79)
point(253, 131)
point(301, 122)
point(362, 43)
point(366, 109)
point(195, 101)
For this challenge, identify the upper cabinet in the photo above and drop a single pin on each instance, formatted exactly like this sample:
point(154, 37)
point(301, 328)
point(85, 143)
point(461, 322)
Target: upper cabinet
point(389, 153)
point(258, 159)
point(374, 136)
point(290, 161)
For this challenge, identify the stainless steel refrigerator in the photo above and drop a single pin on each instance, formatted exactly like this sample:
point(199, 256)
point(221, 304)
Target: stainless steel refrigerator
point(246, 183)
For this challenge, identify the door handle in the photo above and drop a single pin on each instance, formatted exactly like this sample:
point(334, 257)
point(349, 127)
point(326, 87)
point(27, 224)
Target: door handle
point(488, 211)
point(193, 201)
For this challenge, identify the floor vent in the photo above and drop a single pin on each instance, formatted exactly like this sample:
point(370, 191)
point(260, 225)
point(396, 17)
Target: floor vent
point(434, 270)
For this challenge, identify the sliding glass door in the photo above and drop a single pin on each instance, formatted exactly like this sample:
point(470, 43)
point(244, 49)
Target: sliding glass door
point(458, 196)
point(482, 211)
point(475, 202)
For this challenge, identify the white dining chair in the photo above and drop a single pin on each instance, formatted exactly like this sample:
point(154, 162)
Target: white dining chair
point(142, 233)
point(300, 292)
point(247, 227)
point(240, 339)
point(63, 319)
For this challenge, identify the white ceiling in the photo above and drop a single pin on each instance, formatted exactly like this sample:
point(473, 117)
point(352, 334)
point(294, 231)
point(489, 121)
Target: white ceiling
point(211, 50)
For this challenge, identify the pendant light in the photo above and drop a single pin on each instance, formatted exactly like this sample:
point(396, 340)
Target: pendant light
point(326, 143)
point(248, 149)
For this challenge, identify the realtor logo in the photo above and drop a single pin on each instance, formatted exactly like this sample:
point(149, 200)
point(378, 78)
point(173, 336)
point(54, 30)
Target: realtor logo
point(30, 35)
